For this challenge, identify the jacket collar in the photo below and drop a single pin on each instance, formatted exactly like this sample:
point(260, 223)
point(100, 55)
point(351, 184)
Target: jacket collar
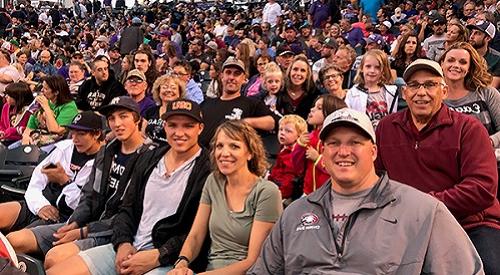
point(380, 195)
point(440, 119)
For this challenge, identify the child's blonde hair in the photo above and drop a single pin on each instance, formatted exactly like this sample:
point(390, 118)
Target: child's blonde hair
point(297, 121)
point(272, 68)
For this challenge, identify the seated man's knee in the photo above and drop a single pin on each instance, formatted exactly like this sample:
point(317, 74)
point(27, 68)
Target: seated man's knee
point(60, 253)
point(23, 241)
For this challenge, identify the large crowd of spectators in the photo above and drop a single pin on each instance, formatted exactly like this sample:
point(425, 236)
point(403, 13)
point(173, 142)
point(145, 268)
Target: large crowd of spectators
point(161, 124)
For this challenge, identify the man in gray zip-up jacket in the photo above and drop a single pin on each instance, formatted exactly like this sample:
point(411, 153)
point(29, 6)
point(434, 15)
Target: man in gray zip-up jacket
point(362, 222)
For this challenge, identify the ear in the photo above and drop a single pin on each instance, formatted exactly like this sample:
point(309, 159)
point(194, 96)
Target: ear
point(374, 152)
point(403, 93)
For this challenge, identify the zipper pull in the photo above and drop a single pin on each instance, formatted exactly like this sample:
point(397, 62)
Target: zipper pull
point(416, 145)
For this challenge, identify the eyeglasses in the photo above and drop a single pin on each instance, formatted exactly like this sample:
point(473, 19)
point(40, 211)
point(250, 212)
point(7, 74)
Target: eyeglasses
point(331, 76)
point(262, 64)
point(428, 85)
point(179, 74)
point(135, 80)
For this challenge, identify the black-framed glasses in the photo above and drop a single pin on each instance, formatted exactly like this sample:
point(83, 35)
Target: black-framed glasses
point(428, 85)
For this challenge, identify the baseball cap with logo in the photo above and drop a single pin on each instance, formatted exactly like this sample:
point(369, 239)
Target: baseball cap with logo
point(422, 64)
point(86, 121)
point(136, 73)
point(375, 38)
point(125, 102)
point(485, 27)
point(330, 43)
point(347, 117)
point(233, 62)
point(183, 107)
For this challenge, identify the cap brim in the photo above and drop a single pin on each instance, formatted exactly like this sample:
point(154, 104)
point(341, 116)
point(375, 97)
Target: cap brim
point(106, 110)
point(325, 131)
point(286, 52)
point(81, 128)
point(412, 69)
point(165, 116)
point(234, 66)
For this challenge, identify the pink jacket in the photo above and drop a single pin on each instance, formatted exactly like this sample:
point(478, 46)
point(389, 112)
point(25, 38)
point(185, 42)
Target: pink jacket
point(12, 132)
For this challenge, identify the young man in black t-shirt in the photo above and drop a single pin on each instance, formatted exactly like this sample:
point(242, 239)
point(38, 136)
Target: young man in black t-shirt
point(232, 105)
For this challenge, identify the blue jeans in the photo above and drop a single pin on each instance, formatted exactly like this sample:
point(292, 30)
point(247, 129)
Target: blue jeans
point(100, 260)
point(487, 243)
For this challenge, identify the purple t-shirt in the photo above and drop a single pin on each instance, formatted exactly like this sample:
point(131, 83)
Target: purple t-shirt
point(354, 36)
point(145, 104)
point(320, 12)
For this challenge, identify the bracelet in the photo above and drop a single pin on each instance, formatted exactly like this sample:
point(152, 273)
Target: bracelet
point(181, 258)
point(81, 233)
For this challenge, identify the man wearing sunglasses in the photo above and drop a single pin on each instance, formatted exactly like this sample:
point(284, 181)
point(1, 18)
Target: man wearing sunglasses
point(136, 86)
point(445, 154)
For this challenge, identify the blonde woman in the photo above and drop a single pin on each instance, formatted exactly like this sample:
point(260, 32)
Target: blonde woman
point(238, 208)
point(372, 94)
point(165, 89)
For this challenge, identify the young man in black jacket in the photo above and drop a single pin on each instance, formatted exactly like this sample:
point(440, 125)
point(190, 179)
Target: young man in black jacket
point(159, 206)
point(102, 194)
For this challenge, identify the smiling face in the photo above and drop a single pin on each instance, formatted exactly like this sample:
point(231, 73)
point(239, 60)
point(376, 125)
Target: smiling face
point(232, 80)
point(182, 133)
point(456, 64)
point(298, 72)
point(332, 80)
point(231, 155)
point(348, 157)
point(371, 69)
point(424, 103)
point(169, 91)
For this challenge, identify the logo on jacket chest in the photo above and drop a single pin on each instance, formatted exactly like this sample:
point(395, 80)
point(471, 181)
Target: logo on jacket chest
point(308, 221)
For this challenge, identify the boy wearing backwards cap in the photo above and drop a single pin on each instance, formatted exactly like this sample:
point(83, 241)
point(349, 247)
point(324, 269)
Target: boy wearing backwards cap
point(148, 230)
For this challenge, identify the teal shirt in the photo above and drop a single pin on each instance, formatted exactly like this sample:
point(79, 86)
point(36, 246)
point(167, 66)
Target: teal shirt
point(64, 114)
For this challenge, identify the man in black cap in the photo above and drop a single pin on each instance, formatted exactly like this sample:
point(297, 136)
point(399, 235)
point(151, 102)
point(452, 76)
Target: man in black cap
point(434, 44)
point(54, 188)
point(481, 34)
point(232, 105)
point(148, 230)
point(328, 49)
point(90, 223)
point(297, 46)
point(115, 61)
point(284, 57)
